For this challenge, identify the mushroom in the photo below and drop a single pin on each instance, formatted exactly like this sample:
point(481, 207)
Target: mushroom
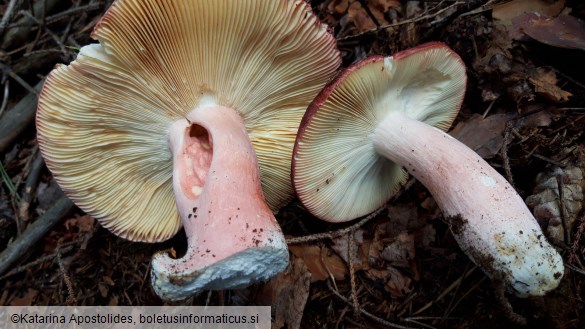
point(185, 113)
point(381, 115)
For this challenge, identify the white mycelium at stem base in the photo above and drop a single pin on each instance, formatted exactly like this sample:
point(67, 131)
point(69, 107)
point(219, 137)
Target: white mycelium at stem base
point(488, 218)
point(233, 237)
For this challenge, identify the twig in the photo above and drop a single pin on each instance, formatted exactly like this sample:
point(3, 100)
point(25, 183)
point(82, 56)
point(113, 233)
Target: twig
point(8, 71)
point(334, 234)
point(485, 7)
point(32, 45)
point(35, 262)
point(15, 121)
point(504, 152)
point(366, 313)
point(67, 279)
point(30, 185)
point(576, 269)
point(446, 291)
point(6, 95)
point(562, 206)
point(8, 14)
point(576, 241)
point(64, 14)
point(549, 160)
point(34, 232)
point(407, 21)
point(18, 36)
point(505, 304)
point(451, 309)
point(65, 33)
point(40, 23)
point(350, 251)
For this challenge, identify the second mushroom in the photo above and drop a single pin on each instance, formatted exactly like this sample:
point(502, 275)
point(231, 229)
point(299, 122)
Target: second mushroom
point(378, 117)
point(185, 114)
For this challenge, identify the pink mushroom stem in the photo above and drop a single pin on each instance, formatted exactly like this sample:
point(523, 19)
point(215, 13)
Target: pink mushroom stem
point(488, 218)
point(233, 237)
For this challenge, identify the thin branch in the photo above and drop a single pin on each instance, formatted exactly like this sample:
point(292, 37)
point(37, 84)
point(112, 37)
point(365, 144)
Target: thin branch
point(35, 262)
point(5, 99)
point(350, 251)
point(34, 232)
point(12, 5)
point(334, 234)
point(15, 121)
point(407, 21)
point(366, 313)
point(8, 71)
point(504, 152)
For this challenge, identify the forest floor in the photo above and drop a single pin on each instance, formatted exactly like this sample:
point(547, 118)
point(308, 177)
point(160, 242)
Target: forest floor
point(524, 112)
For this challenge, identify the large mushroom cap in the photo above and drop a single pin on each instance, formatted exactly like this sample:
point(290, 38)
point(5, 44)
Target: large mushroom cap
point(102, 120)
point(336, 173)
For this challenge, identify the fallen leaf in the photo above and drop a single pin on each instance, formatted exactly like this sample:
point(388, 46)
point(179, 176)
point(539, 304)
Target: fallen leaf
point(509, 10)
point(26, 299)
point(483, 135)
point(360, 17)
point(402, 218)
point(564, 31)
point(398, 285)
point(113, 301)
point(338, 7)
point(288, 293)
point(384, 5)
point(361, 249)
point(378, 9)
point(103, 289)
point(425, 236)
point(394, 282)
point(401, 251)
point(545, 84)
point(86, 224)
point(320, 262)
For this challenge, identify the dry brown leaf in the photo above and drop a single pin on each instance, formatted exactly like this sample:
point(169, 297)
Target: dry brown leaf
point(361, 249)
point(394, 282)
point(425, 236)
point(483, 135)
point(26, 300)
point(509, 10)
point(85, 223)
point(398, 284)
point(338, 7)
point(288, 293)
point(378, 10)
point(320, 261)
point(384, 5)
point(107, 280)
point(403, 217)
point(564, 31)
point(113, 301)
point(401, 251)
point(545, 84)
point(103, 289)
point(360, 17)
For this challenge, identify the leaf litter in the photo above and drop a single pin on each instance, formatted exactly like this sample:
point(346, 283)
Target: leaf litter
point(524, 112)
